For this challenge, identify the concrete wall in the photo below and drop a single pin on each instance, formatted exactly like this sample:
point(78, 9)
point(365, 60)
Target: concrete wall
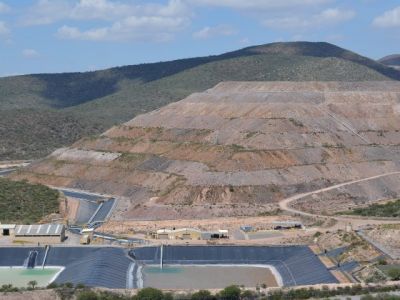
point(39, 239)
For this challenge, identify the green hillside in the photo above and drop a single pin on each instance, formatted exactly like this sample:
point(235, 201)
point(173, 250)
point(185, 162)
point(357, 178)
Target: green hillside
point(25, 203)
point(79, 104)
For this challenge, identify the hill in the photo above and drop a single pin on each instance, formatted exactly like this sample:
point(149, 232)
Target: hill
point(391, 60)
point(97, 100)
point(24, 203)
point(239, 148)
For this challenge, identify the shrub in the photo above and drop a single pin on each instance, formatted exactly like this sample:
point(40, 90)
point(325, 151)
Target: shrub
point(149, 294)
point(25, 203)
point(52, 285)
point(248, 295)
point(87, 295)
point(394, 273)
point(202, 295)
point(8, 288)
point(230, 293)
point(32, 284)
point(69, 285)
point(382, 262)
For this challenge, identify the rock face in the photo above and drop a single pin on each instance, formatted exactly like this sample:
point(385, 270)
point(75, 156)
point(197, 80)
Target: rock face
point(236, 149)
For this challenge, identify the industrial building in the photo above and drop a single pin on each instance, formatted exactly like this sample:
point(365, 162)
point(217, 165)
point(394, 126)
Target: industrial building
point(42, 233)
point(7, 229)
point(280, 225)
point(179, 234)
point(189, 234)
point(212, 235)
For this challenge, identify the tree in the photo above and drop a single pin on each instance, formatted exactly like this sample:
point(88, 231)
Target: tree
point(149, 294)
point(230, 293)
point(202, 295)
point(248, 295)
point(87, 295)
point(32, 284)
point(394, 273)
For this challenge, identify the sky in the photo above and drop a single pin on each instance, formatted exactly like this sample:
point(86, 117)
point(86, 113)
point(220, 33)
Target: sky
point(41, 36)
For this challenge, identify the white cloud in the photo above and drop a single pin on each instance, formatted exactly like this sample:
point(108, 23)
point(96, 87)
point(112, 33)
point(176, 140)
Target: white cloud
point(258, 4)
point(4, 29)
point(210, 32)
point(30, 53)
point(46, 12)
point(50, 11)
point(328, 16)
point(153, 28)
point(123, 20)
point(4, 7)
point(390, 18)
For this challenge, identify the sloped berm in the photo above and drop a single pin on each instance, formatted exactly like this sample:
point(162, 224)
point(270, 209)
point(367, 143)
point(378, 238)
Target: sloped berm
point(237, 149)
point(119, 268)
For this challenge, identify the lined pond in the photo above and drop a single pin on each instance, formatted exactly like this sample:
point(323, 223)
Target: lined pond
point(19, 276)
point(208, 276)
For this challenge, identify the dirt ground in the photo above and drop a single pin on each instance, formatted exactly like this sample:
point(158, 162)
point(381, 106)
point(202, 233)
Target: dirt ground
point(31, 295)
point(238, 149)
point(132, 227)
point(388, 236)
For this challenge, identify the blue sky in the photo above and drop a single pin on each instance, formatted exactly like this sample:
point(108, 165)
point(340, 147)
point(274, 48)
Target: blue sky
point(39, 36)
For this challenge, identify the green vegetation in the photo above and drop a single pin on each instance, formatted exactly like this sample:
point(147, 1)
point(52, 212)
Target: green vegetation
point(394, 273)
point(390, 209)
point(234, 292)
point(380, 297)
point(39, 113)
point(151, 293)
point(231, 292)
point(80, 292)
point(35, 133)
point(25, 203)
point(32, 284)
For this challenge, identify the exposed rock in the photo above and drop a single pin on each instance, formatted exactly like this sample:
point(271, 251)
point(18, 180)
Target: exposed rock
point(240, 147)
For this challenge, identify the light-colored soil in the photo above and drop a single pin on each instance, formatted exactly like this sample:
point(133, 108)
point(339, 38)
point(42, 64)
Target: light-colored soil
point(357, 248)
point(327, 261)
point(132, 227)
point(71, 209)
point(388, 236)
point(340, 276)
point(240, 148)
point(31, 295)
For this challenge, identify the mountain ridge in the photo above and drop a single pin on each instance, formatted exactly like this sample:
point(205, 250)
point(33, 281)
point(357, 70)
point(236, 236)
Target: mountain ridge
point(101, 99)
point(391, 60)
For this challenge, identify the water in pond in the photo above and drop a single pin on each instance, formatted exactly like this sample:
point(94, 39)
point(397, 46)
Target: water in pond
point(206, 277)
point(20, 277)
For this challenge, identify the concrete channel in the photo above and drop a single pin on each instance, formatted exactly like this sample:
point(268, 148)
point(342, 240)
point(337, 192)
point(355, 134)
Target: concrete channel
point(94, 209)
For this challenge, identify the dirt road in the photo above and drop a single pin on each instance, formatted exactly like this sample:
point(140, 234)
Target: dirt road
point(285, 204)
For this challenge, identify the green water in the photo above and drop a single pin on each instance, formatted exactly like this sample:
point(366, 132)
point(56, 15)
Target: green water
point(20, 277)
point(164, 270)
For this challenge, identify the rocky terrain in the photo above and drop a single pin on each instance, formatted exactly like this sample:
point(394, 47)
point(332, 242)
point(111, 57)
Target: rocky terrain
point(42, 112)
point(239, 148)
point(388, 236)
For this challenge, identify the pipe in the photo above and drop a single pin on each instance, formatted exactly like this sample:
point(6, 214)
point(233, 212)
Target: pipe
point(161, 256)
